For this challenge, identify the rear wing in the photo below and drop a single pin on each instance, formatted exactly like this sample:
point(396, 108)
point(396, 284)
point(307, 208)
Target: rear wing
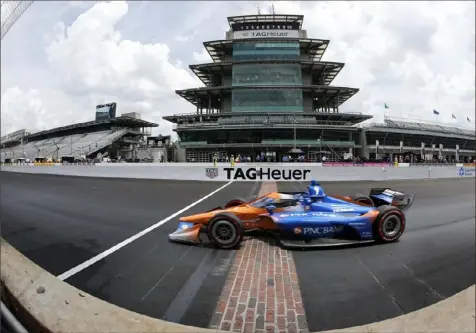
point(387, 196)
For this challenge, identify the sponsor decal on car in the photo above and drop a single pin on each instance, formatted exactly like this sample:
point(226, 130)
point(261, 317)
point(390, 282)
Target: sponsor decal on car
point(298, 230)
point(356, 224)
point(267, 174)
point(293, 208)
point(391, 192)
point(321, 230)
point(307, 214)
point(342, 210)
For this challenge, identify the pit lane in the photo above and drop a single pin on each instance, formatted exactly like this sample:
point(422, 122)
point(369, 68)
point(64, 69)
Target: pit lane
point(59, 222)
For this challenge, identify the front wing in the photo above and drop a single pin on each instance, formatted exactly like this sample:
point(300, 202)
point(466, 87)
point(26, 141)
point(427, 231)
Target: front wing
point(187, 232)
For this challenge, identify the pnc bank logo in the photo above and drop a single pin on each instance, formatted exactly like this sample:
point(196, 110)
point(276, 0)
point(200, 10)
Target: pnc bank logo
point(298, 230)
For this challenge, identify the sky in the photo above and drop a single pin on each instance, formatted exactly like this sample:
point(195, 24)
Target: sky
point(61, 59)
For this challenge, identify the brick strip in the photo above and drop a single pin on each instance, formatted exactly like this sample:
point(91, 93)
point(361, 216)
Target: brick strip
point(262, 290)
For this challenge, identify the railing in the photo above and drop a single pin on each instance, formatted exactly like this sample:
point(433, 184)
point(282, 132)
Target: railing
point(417, 148)
point(317, 142)
point(271, 143)
point(266, 125)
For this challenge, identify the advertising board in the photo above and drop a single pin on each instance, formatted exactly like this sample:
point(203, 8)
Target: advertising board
point(245, 34)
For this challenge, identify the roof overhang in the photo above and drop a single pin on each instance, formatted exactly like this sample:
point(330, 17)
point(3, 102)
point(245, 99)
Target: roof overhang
point(210, 73)
point(132, 122)
point(119, 121)
point(260, 19)
point(219, 48)
point(353, 117)
point(336, 95)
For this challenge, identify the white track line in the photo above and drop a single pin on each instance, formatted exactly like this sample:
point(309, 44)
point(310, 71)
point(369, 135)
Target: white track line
point(93, 260)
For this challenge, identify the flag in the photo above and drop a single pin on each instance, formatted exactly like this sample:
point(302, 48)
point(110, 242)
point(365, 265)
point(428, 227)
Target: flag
point(467, 118)
point(454, 117)
point(386, 106)
point(436, 112)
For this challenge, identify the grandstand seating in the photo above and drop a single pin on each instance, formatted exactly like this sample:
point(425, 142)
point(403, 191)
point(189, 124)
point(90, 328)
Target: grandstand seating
point(71, 145)
point(418, 126)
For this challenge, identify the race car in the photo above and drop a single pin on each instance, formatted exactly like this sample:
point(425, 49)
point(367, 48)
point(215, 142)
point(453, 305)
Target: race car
point(302, 219)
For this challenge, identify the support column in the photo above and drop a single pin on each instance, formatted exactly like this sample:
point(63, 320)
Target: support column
point(351, 150)
point(364, 151)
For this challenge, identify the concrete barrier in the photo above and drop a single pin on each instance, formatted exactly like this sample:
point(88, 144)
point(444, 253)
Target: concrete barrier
point(52, 305)
point(249, 171)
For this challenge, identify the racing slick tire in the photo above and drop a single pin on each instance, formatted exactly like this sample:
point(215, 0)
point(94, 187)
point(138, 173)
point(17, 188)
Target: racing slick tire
point(362, 198)
point(225, 231)
point(234, 203)
point(389, 224)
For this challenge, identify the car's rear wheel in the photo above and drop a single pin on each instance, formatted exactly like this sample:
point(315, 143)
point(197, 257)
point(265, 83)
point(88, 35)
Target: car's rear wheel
point(234, 203)
point(225, 231)
point(389, 224)
point(364, 199)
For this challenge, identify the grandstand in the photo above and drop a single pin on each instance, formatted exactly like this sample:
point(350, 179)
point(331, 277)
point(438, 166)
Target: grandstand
point(417, 141)
point(120, 138)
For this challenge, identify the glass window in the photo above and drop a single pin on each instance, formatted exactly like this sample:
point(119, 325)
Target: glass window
point(265, 51)
point(266, 74)
point(267, 100)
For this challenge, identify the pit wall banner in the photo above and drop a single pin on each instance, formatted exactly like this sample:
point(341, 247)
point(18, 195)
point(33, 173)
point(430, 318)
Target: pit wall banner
point(466, 170)
point(223, 172)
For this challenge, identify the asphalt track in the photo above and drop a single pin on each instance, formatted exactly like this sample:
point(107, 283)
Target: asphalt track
point(60, 222)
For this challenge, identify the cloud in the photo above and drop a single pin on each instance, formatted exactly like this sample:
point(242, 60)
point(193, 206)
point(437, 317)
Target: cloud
point(202, 57)
point(19, 106)
point(93, 64)
point(187, 37)
point(414, 56)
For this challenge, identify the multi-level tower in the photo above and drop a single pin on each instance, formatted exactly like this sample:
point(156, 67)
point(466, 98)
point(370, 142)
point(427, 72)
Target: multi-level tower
point(266, 92)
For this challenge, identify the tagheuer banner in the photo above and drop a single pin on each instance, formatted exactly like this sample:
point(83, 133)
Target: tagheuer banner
point(266, 34)
point(261, 174)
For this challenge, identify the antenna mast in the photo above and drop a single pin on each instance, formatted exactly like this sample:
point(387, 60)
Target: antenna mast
point(272, 7)
point(259, 11)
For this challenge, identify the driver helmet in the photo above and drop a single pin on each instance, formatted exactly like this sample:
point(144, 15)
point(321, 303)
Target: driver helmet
point(316, 191)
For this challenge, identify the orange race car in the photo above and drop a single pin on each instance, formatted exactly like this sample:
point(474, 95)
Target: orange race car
point(302, 219)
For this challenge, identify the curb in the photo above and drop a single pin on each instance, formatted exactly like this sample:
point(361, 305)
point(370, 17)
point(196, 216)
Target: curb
point(60, 307)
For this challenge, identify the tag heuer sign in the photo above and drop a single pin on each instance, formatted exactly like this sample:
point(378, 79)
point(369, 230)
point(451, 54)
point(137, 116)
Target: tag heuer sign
point(211, 172)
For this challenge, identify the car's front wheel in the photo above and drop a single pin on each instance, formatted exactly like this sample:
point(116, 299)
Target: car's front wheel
point(389, 224)
point(225, 231)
